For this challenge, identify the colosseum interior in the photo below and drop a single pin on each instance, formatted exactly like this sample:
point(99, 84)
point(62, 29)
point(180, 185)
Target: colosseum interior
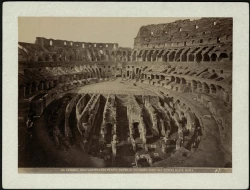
point(166, 102)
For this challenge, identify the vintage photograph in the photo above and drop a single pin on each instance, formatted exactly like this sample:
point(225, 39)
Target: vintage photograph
point(125, 93)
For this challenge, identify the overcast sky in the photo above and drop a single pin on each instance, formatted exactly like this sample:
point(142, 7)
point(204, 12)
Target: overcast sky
point(121, 30)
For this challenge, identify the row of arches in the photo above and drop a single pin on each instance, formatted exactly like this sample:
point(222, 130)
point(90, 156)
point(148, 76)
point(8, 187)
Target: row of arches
point(194, 85)
point(180, 55)
point(32, 87)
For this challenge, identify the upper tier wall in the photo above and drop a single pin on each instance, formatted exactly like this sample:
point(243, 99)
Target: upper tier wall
point(51, 42)
point(185, 33)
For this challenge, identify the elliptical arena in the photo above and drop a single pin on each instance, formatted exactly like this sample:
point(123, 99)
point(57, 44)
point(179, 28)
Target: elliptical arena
point(166, 102)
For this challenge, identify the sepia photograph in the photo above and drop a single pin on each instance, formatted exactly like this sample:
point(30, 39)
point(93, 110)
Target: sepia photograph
point(159, 95)
point(149, 95)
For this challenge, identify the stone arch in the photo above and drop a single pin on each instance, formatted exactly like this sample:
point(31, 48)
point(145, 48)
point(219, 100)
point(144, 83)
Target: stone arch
point(206, 88)
point(144, 55)
point(107, 55)
point(129, 55)
point(206, 57)
point(149, 55)
point(213, 57)
point(178, 80)
point(177, 57)
point(102, 55)
point(124, 56)
point(194, 84)
point(198, 57)
point(183, 81)
point(199, 86)
point(113, 56)
point(119, 55)
point(222, 56)
point(134, 56)
point(172, 79)
point(96, 54)
point(165, 56)
point(155, 55)
point(191, 57)
point(172, 56)
point(213, 89)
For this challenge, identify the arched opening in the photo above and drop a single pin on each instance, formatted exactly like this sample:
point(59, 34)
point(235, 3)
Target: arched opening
point(191, 57)
point(124, 56)
point(129, 56)
point(54, 57)
point(96, 54)
point(222, 56)
point(178, 80)
point(102, 56)
point(193, 41)
point(107, 55)
point(83, 45)
point(206, 57)
point(119, 56)
point(109, 127)
point(205, 88)
point(172, 56)
point(134, 56)
point(213, 57)
point(185, 43)
point(183, 81)
point(136, 133)
point(199, 86)
point(155, 55)
point(201, 41)
point(50, 43)
point(165, 56)
point(199, 57)
point(195, 85)
point(172, 79)
point(144, 55)
point(149, 55)
point(213, 89)
point(113, 56)
point(177, 57)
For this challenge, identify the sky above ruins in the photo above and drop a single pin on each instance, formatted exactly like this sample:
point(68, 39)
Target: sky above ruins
point(121, 30)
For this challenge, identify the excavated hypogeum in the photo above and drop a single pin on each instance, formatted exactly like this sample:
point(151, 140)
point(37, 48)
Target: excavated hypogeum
point(126, 130)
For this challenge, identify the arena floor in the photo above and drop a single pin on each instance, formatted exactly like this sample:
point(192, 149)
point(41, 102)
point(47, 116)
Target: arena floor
point(113, 87)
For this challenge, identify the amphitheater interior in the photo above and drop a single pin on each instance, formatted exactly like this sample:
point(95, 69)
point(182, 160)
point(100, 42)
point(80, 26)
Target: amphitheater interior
point(166, 102)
